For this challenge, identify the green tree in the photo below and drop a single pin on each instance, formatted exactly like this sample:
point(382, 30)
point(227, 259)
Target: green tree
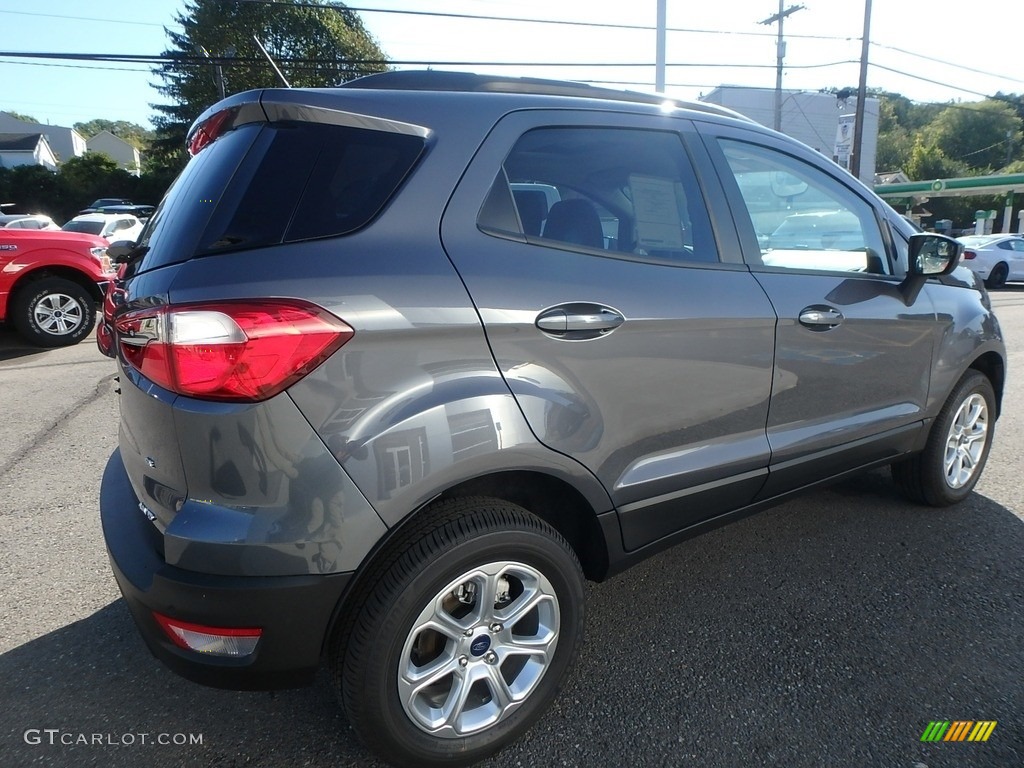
point(895, 141)
point(20, 116)
point(977, 134)
point(93, 175)
point(928, 161)
point(314, 44)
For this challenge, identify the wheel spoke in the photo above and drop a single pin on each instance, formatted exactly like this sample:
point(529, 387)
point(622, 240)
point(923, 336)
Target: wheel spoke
point(500, 692)
point(454, 707)
point(419, 678)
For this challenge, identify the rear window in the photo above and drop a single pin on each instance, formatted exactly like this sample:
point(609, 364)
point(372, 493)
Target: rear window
point(264, 184)
point(309, 180)
point(88, 227)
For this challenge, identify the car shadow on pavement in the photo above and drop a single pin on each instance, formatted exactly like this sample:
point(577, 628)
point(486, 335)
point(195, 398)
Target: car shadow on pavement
point(827, 631)
point(13, 346)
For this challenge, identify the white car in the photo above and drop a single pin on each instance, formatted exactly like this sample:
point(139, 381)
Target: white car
point(111, 226)
point(995, 258)
point(28, 221)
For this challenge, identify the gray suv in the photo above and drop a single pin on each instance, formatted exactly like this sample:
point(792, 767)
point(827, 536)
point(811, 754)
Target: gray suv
point(405, 361)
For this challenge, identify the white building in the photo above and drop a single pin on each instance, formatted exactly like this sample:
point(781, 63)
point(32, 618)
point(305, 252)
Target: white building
point(120, 151)
point(820, 120)
point(64, 142)
point(26, 149)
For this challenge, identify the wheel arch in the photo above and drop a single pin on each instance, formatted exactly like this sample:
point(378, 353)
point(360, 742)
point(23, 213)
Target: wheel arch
point(68, 273)
point(550, 498)
point(993, 366)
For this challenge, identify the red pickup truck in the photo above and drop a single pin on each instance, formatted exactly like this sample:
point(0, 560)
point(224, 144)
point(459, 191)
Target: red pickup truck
point(50, 283)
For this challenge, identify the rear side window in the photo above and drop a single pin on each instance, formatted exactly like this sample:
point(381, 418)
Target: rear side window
point(263, 184)
point(309, 180)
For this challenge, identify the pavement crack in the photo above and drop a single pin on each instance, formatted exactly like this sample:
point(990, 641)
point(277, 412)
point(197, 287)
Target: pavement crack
point(103, 386)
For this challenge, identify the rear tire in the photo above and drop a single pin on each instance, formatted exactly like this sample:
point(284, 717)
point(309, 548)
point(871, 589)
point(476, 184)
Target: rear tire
point(950, 465)
point(997, 277)
point(53, 312)
point(462, 636)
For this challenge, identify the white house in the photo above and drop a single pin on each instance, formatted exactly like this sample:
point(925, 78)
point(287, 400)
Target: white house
point(65, 143)
point(820, 120)
point(116, 148)
point(26, 149)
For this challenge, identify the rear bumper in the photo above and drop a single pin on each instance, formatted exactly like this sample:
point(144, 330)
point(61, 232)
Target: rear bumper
point(294, 612)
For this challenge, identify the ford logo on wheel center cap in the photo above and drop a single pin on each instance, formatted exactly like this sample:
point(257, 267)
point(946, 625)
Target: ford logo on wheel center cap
point(480, 645)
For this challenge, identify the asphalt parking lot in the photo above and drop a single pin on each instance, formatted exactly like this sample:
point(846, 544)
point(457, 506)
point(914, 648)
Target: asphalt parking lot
point(828, 631)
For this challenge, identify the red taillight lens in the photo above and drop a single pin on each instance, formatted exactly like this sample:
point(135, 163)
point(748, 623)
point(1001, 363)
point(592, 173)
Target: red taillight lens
point(970, 255)
point(233, 350)
point(208, 131)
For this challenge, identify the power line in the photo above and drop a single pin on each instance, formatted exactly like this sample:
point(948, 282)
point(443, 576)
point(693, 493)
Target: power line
point(76, 66)
point(85, 18)
point(933, 82)
point(130, 58)
point(523, 20)
point(948, 63)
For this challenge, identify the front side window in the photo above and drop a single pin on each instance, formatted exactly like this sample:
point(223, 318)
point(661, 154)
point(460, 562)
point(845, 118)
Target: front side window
point(623, 192)
point(803, 218)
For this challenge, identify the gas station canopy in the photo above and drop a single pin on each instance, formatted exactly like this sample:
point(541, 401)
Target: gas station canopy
point(997, 184)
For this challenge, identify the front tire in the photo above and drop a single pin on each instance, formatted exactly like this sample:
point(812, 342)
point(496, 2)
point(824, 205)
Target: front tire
point(464, 635)
point(997, 277)
point(53, 312)
point(950, 465)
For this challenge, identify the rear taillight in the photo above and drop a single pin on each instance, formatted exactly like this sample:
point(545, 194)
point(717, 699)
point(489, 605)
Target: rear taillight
point(233, 642)
point(970, 255)
point(243, 351)
point(204, 134)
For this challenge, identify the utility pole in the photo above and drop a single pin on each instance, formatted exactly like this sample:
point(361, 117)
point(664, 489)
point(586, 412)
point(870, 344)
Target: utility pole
point(218, 71)
point(862, 93)
point(780, 54)
point(659, 69)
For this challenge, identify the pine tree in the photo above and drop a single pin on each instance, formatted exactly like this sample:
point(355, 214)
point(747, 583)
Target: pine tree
point(313, 42)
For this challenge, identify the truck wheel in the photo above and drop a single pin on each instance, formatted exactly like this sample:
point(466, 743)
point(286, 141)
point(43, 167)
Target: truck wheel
point(464, 635)
point(951, 463)
point(53, 312)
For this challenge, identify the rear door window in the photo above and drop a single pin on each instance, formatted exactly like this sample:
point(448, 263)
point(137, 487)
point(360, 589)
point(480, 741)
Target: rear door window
point(627, 193)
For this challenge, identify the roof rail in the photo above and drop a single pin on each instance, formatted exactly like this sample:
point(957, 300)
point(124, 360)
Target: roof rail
point(466, 82)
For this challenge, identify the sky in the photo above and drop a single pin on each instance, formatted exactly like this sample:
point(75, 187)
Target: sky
point(942, 51)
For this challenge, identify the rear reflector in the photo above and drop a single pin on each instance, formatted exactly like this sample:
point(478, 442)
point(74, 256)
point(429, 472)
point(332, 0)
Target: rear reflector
point(235, 642)
point(239, 351)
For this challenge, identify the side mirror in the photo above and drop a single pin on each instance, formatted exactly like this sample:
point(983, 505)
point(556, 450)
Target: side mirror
point(932, 254)
point(786, 184)
point(120, 251)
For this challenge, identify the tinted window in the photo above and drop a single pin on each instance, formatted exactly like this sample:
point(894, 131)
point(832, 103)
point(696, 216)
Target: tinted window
point(174, 228)
point(88, 227)
point(804, 218)
point(630, 193)
point(307, 180)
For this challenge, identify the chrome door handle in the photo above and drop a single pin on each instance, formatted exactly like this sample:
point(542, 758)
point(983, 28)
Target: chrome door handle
point(820, 318)
point(579, 320)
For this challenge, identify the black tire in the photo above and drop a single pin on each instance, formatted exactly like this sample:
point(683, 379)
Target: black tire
point(997, 277)
point(53, 312)
point(455, 544)
point(949, 467)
